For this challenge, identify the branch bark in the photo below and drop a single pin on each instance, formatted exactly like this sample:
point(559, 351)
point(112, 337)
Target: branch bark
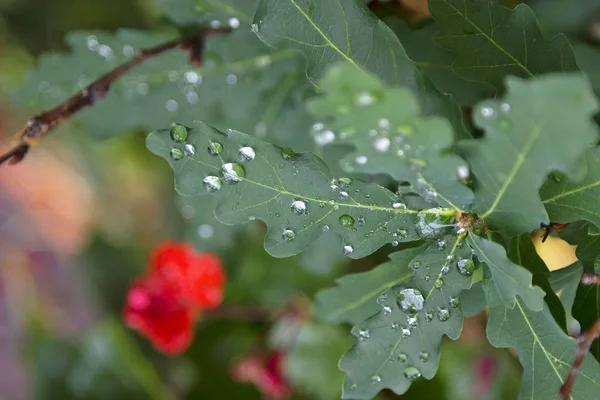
point(40, 125)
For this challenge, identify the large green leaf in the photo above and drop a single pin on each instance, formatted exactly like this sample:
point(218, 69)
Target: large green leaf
point(492, 41)
point(296, 195)
point(217, 13)
point(545, 351)
point(522, 251)
point(331, 31)
point(401, 343)
point(509, 279)
point(354, 299)
point(569, 201)
point(437, 61)
point(390, 136)
point(524, 141)
point(570, 17)
point(238, 73)
point(311, 365)
point(588, 59)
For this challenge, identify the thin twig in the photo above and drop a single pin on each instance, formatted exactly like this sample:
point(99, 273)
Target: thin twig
point(241, 313)
point(38, 126)
point(584, 342)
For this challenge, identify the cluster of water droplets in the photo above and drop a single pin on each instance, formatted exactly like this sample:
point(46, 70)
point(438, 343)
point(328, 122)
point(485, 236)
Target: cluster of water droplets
point(497, 115)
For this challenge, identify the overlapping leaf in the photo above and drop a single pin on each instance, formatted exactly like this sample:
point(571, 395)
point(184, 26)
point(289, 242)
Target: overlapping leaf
point(401, 342)
point(569, 17)
point(216, 12)
point(524, 141)
point(354, 299)
point(390, 136)
point(569, 201)
point(492, 41)
point(331, 31)
point(545, 351)
point(294, 194)
point(509, 279)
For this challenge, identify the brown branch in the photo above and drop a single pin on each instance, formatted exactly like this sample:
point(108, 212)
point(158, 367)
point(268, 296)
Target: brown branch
point(39, 126)
point(551, 227)
point(584, 342)
point(241, 313)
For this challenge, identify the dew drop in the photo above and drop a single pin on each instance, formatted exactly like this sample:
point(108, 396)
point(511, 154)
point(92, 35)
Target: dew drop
point(375, 379)
point(405, 332)
point(353, 386)
point(462, 171)
point(439, 282)
point(396, 205)
point(381, 144)
point(411, 373)
point(365, 99)
point(429, 316)
point(424, 356)
point(233, 173)
point(254, 28)
point(486, 112)
point(287, 153)
point(298, 207)
point(189, 149)
point(454, 302)
point(234, 22)
point(325, 228)
point(205, 231)
point(445, 269)
point(465, 267)
point(402, 357)
point(246, 153)
point(288, 235)
point(215, 24)
point(171, 105)
point(179, 133)
point(364, 334)
point(214, 148)
point(441, 244)
point(416, 264)
point(212, 183)
point(346, 220)
point(231, 79)
point(505, 107)
point(361, 160)
point(412, 321)
point(348, 249)
point(387, 310)
point(443, 314)
point(343, 195)
point(324, 138)
point(410, 300)
point(192, 77)
point(176, 154)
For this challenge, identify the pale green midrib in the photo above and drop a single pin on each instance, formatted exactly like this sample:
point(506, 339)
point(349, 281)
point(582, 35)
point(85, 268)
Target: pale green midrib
point(368, 296)
point(490, 263)
point(321, 201)
point(391, 352)
point(520, 160)
point(452, 251)
point(326, 38)
point(491, 40)
point(571, 192)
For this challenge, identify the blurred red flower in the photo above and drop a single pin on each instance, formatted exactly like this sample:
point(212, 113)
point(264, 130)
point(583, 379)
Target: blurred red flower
point(265, 371)
point(164, 304)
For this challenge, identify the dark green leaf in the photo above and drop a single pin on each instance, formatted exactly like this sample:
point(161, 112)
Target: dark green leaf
point(354, 298)
point(545, 351)
point(524, 141)
point(390, 136)
point(570, 17)
point(492, 41)
point(569, 201)
point(564, 282)
point(401, 343)
point(522, 251)
point(509, 279)
point(216, 12)
point(296, 195)
point(588, 59)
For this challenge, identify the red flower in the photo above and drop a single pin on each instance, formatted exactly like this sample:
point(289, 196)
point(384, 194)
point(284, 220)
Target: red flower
point(266, 372)
point(164, 304)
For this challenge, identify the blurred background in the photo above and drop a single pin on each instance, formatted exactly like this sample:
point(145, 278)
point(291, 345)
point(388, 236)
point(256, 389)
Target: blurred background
point(78, 219)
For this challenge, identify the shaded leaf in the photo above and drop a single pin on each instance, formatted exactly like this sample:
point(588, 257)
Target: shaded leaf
point(209, 11)
point(522, 251)
point(312, 362)
point(564, 282)
point(292, 193)
point(524, 141)
point(330, 31)
point(473, 300)
point(588, 59)
point(401, 343)
point(390, 136)
point(569, 201)
point(509, 279)
point(354, 299)
point(491, 41)
point(569, 17)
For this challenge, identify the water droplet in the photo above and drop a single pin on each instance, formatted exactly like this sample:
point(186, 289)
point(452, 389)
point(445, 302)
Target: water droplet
point(375, 379)
point(486, 112)
point(395, 326)
point(343, 195)
point(231, 79)
point(361, 160)
point(353, 386)
point(416, 264)
point(556, 176)
point(215, 24)
point(212, 183)
point(443, 314)
point(426, 278)
point(254, 28)
point(247, 153)
point(171, 105)
point(387, 310)
point(429, 316)
point(176, 154)
point(234, 22)
point(365, 99)
point(298, 207)
point(411, 373)
point(454, 302)
point(401, 233)
point(364, 334)
point(179, 133)
point(445, 269)
point(395, 243)
point(348, 249)
point(193, 77)
point(214, 148)
point(402, 357)
point(462, 171)
point(288, 235)
point(345, 182)
point(324, 138)
point(405, 332)
point(410, 300)
point(465, 267)
point(381, 144)
point(233, 173)
point(325, 228)
point(505, 107)
point(396, 205)
point(430, 226)
point(439, 282)
point(412, 321)
point(346, 220)
point(287, 153)
point(189, 149)
point(205, 231)
point(424, 356)
point(441, 244)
